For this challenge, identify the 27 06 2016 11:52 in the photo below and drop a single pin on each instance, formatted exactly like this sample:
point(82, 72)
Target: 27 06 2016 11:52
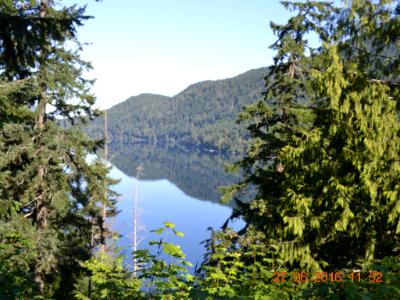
point(328, 277)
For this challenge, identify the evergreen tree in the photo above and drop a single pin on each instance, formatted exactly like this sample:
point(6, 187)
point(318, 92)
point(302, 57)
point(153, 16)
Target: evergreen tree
point(325, 148)
point(50, 193)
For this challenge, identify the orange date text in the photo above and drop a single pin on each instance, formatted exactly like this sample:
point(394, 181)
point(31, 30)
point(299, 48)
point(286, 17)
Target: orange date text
point(327, 277)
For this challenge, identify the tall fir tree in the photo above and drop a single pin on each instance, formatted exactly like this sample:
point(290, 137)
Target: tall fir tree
point(325, 140)
point(51, 195)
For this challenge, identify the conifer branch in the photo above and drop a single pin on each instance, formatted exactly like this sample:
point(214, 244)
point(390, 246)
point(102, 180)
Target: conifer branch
point(392, 83)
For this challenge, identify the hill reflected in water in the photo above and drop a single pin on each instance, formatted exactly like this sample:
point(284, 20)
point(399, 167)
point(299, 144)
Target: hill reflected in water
point(198, 175)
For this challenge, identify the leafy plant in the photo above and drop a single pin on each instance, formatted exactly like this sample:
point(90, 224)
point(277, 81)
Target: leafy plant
point(164, 272)
point(108, 279)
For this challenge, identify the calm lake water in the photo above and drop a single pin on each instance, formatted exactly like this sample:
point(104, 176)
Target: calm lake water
point(178, 187)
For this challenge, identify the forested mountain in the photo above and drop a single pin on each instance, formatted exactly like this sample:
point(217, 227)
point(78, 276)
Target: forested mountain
point(203, 115)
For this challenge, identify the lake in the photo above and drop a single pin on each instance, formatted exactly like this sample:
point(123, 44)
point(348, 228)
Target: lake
point(176, 186)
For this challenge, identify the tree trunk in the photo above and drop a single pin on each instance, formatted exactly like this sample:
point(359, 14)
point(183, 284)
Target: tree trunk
point(104, 208)
point(134, 244)
point(41, 205)
point(139, 172)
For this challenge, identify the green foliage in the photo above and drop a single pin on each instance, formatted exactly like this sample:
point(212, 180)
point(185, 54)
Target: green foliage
point(17, 254)
point(324, 157)
point(243, 271)
point(50, 194)
point(387, 289)
point(324, 153)
point(237, 267)
point(108, 279)
point(222, 266)
point(164, 273)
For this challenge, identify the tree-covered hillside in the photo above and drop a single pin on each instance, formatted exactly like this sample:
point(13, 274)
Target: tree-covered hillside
point(203, 115)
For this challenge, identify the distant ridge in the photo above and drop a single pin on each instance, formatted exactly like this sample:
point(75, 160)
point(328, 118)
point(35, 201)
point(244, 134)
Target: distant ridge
point(202, 116)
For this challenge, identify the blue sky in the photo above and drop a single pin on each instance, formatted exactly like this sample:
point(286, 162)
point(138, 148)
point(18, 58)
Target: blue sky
point(162, 46)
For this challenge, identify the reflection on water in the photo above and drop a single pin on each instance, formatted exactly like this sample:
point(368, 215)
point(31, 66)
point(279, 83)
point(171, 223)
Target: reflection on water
point(197, 174)
point(178, 187)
